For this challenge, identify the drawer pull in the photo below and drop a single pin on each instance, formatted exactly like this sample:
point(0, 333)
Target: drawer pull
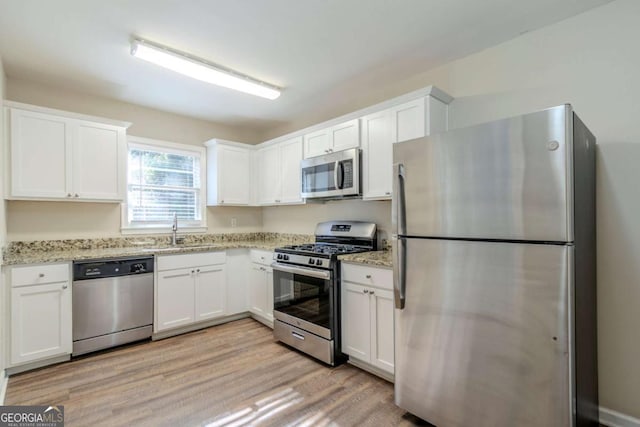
point(297, 336)
point(365, 291)
point(64, 286)
point(370, 292)
point(41, 275)
point(368, 276)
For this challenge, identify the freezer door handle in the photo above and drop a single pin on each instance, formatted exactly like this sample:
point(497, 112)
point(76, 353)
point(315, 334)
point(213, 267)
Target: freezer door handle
point(399, 271)
point(398, 202)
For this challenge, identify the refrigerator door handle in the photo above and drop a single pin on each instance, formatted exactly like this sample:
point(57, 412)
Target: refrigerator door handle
point(398, 203)
point(399, 271)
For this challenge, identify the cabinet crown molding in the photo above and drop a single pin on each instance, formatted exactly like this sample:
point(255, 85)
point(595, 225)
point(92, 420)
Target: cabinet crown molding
point(67, 114)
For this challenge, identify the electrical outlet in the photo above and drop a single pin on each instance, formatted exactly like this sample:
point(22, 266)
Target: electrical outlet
point(234, 222)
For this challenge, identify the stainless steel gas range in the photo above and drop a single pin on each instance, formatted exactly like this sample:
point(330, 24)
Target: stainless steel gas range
point(306, 280)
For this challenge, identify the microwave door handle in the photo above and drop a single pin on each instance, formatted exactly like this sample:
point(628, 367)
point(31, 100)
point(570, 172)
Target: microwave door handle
point(340, 175)
point(335, 175)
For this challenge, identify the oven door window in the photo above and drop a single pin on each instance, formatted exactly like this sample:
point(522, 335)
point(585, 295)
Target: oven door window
point(319, 178)
point(303, 297)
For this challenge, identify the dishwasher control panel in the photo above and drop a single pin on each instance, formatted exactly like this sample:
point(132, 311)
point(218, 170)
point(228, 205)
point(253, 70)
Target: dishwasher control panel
point(90, 269)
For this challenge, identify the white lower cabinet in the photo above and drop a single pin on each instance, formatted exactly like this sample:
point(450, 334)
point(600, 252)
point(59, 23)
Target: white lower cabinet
point(368, 316)
point(190, 288)
point(261, 286)
point(40, 312)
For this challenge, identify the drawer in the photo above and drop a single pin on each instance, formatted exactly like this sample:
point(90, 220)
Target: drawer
point(368, 276)
point(173, 262)
point(261, 257)
point(39, 274)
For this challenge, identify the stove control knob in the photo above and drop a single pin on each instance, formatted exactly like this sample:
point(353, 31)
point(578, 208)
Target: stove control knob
point(311, 260)
point(285, 257)
point(318, 262)
point(279, 256)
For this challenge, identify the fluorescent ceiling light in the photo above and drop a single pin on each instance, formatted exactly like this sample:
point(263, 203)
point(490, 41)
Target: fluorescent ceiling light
point(201, 70)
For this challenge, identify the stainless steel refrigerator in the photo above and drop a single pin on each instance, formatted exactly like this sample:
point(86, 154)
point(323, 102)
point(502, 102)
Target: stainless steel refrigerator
point(495, 273)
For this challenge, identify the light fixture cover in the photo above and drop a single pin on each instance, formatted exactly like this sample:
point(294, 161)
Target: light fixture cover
point(201, 70)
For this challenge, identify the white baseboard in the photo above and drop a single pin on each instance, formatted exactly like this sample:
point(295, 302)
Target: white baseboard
point(611, 418)
point(4, 380)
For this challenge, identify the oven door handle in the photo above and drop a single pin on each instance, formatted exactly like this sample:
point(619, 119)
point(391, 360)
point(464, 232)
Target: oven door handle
point(319, 274)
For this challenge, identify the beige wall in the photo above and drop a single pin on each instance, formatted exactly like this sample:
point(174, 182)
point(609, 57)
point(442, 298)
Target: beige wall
point(75, 220)
point(592, 62)
point(55, 220)
point(147, 122)
point(303, 218)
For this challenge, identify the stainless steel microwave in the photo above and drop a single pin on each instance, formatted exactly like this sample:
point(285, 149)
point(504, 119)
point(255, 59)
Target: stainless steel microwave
point(332, 175)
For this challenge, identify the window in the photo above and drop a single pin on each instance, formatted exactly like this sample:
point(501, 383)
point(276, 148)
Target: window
point(163, 179)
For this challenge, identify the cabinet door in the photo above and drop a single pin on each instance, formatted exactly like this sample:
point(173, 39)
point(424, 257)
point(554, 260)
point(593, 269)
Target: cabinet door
point(377, 155)
point(257, 290)
point(238, 269)
point(346, 135)
point(382, 334)
point(98, 162)
point(356, 321)
point(290, 157)
point(210, 295)
point(175, 299)
point(317, 143)
point(39, 155)
point(269, 183)
point(40, 322)
point(408, 120)
point(234, 175)
point(268, 284)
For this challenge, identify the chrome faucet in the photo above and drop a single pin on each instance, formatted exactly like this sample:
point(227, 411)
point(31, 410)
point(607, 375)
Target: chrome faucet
point(174, 228)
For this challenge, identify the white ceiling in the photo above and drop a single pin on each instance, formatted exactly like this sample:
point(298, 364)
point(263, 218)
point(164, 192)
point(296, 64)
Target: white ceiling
point(308, 47)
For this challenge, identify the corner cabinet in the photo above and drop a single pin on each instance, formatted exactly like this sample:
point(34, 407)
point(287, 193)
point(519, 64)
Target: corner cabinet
point(228, 173)
point(367, 312)
point(279, 176)
point(57, 155)
point(414, 119)
point(189, 288)
point(40, 312)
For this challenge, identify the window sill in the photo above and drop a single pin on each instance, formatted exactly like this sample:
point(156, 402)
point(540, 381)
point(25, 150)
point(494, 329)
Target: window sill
point(161, 230)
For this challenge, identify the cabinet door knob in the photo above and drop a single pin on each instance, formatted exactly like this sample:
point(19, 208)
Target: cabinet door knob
point(198, 271)
point(370, 292)
point(76, 195)
point(68, 194)
point(41, 275)
point(64, 286)
point(388, 193)
point(365, 291)
point(193, 271)
point(221, 201)
point(368, 276)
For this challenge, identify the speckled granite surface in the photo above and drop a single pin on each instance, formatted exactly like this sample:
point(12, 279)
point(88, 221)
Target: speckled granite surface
point(379, 258)
point(43, 251)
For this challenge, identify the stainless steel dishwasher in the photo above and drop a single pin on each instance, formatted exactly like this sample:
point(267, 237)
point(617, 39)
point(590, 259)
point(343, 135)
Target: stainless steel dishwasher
point(112, 302)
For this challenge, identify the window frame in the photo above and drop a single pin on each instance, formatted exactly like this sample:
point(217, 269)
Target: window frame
point(174, 148)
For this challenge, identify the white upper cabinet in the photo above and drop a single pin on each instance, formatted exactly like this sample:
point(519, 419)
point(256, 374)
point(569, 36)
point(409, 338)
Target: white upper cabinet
point(380, 130)
point(335, 138)
point(228, 173)
point(61, 156)
point(278, 167)
point(377, 155)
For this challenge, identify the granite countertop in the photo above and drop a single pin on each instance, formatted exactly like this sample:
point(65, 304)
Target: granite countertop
point(70, 250)
point(378, 258)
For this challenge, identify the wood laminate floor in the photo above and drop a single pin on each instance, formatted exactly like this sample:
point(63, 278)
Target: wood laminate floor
point(229, 375)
